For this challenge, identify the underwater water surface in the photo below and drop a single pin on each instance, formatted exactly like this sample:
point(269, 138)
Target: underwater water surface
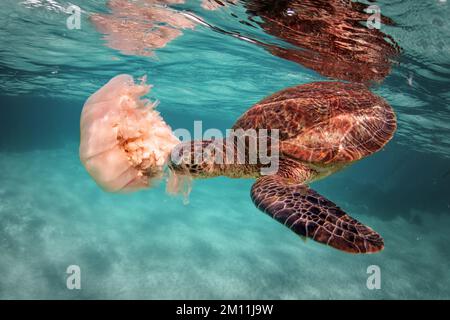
point(149, 245)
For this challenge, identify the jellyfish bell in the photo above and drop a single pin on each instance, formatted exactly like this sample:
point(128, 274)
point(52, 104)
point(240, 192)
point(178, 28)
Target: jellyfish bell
point(124, 143)
point(140, 27)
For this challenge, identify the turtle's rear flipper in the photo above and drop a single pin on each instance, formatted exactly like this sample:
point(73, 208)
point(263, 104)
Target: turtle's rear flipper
point(309, 214)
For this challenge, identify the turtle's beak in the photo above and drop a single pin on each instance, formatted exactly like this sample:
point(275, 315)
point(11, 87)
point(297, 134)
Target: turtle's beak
point(191, 158)
point(177, 161)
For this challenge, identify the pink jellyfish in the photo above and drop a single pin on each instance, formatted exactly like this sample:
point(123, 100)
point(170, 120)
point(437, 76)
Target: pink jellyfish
point(138, 28)
point(124, 143)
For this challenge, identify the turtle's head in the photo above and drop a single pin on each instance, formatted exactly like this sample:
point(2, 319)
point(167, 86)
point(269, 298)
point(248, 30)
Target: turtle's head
point(190, 160)
point(195, 159)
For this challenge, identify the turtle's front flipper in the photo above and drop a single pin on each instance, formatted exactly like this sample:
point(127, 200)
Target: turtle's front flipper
point(309, 214)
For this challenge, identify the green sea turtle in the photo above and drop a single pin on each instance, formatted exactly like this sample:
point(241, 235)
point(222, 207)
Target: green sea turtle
point(323, 127)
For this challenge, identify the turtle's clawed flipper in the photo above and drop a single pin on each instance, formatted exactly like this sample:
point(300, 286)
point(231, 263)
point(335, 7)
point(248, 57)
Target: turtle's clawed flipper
point(311, 215)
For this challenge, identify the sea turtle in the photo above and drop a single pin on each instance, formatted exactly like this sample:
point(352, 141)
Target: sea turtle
point(323, 127)
point(328, 37)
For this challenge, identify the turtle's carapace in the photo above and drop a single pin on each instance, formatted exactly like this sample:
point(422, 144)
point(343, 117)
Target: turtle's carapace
point(328, 36)
point(323, 127)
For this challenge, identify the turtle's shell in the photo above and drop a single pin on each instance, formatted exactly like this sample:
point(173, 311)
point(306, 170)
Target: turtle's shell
point(324, 122)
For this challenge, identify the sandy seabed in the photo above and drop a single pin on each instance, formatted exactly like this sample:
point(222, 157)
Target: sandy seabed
point(150, 245)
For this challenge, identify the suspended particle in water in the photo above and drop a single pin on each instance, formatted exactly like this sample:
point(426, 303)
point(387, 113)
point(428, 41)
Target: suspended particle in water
point(290, 12)
point(410, 80)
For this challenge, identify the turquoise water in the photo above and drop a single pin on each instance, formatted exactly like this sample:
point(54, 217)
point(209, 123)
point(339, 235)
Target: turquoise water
point(151, 245)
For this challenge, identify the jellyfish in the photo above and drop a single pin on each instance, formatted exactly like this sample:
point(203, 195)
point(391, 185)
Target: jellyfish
point(124, 142)
point(138, 28)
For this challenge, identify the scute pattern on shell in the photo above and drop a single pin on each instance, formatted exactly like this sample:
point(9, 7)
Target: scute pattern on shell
point(324, 122)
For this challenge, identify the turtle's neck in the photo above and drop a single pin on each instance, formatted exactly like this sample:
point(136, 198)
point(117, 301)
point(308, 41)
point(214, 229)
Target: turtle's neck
point(208, 158)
